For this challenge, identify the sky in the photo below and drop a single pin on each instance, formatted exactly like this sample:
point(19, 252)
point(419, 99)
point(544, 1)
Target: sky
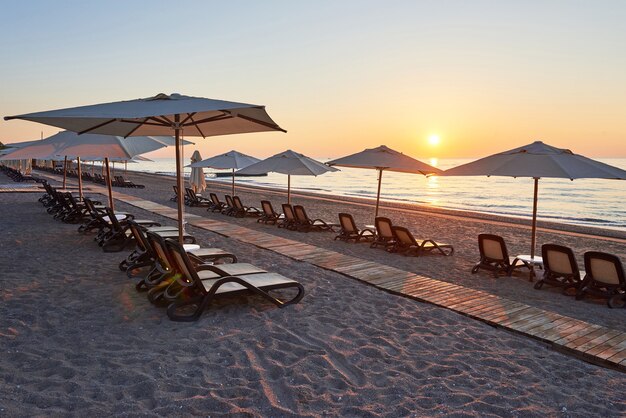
point(339, 76)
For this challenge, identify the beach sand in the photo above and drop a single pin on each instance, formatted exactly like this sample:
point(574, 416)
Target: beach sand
point(79, 340)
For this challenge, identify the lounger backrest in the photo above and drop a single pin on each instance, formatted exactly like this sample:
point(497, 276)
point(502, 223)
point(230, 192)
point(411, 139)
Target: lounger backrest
point(183, 265)
point(175, 190)
point(215, 199)
point(384, 227)
point(237, 203)
point(190, 193)
point(605, 268)
point(403, 235)
point(492, 247)
point(347, 223)
point(140, 237)
point(160, 251)
point(268, 210)
point(288, 211)
point(113, 219)
point(229, 201)
point(300, 214)
point(559, 259)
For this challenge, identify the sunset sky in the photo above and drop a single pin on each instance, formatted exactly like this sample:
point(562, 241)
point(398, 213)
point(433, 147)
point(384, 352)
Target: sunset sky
point(339, 76)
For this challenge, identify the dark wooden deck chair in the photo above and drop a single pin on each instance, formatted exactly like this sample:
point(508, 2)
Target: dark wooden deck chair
point(406, 244)
point(350, 232)
point(229, 208)
point(306, 224)
point(269, 216)
point(194, 199)
point(559, 267)
point(384, 234)
point(216, 204)
point(494, 255)
point(127, 183)
point(604, 278)
point(206, 284)
point(162, 271)
point(241, 211)
point(289, 221)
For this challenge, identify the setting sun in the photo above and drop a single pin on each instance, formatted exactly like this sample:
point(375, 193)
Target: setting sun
point(434, 140)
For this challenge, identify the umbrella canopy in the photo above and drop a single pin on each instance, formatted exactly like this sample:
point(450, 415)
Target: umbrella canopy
point(231, 160)
point(538, 160)
point(384, 158)
point(69, 145)
point(290, 163)
point(161, 115)
point(196, 179)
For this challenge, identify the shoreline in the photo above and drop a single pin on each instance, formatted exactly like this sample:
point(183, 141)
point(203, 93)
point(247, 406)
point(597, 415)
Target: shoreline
point(414, 208)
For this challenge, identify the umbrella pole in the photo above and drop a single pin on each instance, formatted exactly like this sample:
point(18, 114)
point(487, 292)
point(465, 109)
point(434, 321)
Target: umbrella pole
point(233, 182)
point(64, 171)
point(108, 174)
point(80, 179)
point(380, 178)
point(289, 189)
point(179, 180)
point(534, 226)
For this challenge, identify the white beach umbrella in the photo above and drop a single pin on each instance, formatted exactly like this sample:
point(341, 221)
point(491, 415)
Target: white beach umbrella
point(538, 160)
point(231, 160)
point(196, 178)
point(161, 115)
point(69, 145)
point(384, 158)
point(290, 163)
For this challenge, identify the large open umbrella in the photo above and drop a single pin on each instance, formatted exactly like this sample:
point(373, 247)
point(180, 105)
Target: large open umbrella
point(538, 160)
point(290, 163)
point(384, 158)
point(161, 115)
point(68, 144)
point(196, 178)
point(231, 160)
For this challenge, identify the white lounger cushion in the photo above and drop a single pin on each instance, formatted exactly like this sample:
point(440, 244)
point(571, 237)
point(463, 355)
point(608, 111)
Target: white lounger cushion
point(258, 280)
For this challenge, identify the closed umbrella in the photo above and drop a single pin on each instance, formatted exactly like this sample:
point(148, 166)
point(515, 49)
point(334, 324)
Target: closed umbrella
point(196, 178)
point(384, 158)
point(538, 160)
point(290, 163)
point(161, 115)
point(231, 160)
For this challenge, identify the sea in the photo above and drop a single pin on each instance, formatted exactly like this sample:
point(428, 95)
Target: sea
point(585, 202)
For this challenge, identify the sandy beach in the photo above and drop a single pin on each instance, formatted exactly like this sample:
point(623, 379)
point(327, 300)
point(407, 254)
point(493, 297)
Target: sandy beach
point(79, 340)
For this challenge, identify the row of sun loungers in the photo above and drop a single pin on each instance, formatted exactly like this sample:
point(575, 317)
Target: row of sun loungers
point(118, 181)
point(17, 175)
point(603, 275)
point(186, 278)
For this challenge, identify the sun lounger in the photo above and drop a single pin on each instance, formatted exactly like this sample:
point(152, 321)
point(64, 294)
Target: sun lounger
point(494, 255)
point(306, 224)
point(241, 211)
point(120, 235)
point(384, 233)
point(229, 208)
point(350, 232)
point(206, 283)
point(194, 199)
point(216, 204)
point(560, 267)
point(604, 278)
point(121, 181)
point(406, 244)
point(175, 197)
point(289, 221)
point(269, 216)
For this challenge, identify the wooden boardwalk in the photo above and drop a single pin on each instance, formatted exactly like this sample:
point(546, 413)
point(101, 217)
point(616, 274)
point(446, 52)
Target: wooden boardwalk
point(593, 343)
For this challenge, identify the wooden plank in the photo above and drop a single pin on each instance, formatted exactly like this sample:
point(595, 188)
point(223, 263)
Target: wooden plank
point(618, 357)
point(530, 312)
point(589, 337)
point(547, 318)
point(550, 332)
point(499, 316)
point(394, 274)
point(501, 307)
point(473, 300)
point(559, 334)
point(580, 333)
point(607, 345)
point(403, 283)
